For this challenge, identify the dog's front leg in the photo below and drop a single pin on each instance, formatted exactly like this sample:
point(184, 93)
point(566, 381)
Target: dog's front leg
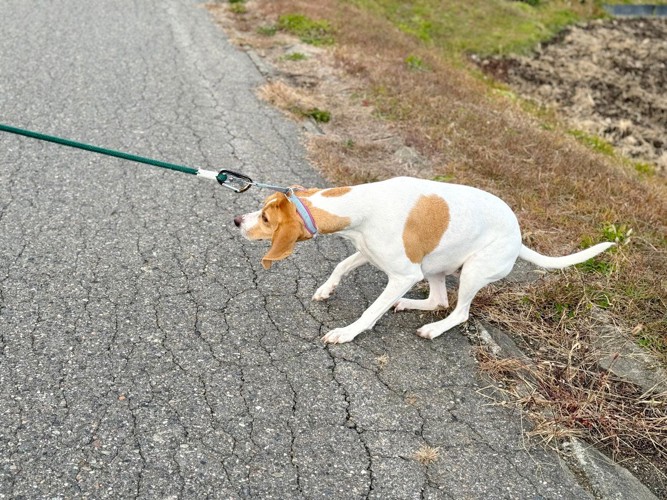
point(396, 288)
point(345, 266)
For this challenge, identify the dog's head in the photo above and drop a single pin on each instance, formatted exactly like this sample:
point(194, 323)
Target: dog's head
point(277, 221)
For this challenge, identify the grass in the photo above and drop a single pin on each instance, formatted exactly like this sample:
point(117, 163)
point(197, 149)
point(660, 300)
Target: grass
point(426, 455)
point(296, 56)
point(314, 32)
point(571, 398)
point(484, 27)
point(594, 142)
point(298, 106)
point(480, 26)
point(267, 30)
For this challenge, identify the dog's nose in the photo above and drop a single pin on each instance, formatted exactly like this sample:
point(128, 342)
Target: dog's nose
point(238, 220)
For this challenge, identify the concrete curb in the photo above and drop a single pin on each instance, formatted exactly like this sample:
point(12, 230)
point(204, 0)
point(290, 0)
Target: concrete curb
point(607, 479)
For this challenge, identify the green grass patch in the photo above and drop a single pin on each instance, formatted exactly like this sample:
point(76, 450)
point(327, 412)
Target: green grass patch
point(267, 30)
point(238, 8)
point(415, 63)
point(484, 27)
point(319, 115)
point(597, 266)
point(314, 32)
point(644, 168)
point(295, 56)
point(593, 141)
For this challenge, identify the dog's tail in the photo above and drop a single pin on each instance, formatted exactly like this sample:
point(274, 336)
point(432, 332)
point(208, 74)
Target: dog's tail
point(561, 262)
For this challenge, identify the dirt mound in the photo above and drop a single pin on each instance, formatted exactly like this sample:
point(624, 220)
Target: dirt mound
point(608, 78)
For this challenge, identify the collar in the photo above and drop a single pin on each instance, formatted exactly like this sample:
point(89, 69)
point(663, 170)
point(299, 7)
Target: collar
point(303, 212)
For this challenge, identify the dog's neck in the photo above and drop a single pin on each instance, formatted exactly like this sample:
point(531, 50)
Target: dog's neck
point(327, 221)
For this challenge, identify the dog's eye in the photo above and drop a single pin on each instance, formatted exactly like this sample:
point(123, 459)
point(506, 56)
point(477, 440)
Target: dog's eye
point(265, 219)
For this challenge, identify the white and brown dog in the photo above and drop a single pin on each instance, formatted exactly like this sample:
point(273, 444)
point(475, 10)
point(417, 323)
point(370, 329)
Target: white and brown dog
point(411, 229)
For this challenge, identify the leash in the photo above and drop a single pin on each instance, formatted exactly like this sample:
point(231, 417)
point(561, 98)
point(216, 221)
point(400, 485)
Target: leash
point(234, 181)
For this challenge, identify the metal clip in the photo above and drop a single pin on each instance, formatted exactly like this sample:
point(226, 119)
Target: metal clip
point(234, 181)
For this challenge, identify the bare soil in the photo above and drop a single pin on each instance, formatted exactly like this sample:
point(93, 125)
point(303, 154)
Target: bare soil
point(608, 78)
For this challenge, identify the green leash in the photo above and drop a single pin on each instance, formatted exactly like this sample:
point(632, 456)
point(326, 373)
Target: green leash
point(232, 180)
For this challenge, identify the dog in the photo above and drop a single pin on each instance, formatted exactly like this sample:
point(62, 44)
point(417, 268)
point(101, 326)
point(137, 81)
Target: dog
point(411, 229)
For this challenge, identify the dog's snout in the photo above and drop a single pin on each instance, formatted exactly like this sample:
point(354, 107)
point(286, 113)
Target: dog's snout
point(238, 220)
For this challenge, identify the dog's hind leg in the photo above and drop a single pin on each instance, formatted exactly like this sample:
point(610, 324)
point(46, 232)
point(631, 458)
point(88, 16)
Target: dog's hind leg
point(345, 266)
point(486, 267)
point(437, 296)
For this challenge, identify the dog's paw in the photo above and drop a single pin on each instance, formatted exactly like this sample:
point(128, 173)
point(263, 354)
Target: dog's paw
point(339, 336)
point(429, 331)
point(324, 292)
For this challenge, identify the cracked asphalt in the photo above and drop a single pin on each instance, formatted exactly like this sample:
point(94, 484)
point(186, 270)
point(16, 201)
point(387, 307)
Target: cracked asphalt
point(144, 353)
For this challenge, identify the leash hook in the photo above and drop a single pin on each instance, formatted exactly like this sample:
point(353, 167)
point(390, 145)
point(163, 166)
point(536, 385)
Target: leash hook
point(238, 183)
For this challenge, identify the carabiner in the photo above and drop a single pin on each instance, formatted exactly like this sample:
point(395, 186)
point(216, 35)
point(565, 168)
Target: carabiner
point(231, 180)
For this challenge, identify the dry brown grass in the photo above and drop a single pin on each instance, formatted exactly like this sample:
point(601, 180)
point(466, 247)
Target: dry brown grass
point(427, 455)
point(568, 396)
point(382, 361)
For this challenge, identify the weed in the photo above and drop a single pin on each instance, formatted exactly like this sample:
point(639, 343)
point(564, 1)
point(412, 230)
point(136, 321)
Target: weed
point(411, 399)
point(417, 26)
point(318, 115)
point(601, 299)
point(238, 8)
point(618, 233)
point(644, 168)
point(382, 361)
point(427, 454)
point(236, 1)
point(593, 141)
point(598, 266)
point(314, 32)
point(267, 30)
point(444, 178)
point(295, 56)
point(415, 63)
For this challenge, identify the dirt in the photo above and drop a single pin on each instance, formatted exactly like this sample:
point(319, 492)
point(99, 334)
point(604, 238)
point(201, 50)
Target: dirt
point(608, 78)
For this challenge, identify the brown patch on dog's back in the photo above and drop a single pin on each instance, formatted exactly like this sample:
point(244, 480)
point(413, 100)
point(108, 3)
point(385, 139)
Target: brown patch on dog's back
point(304, 193)
point(427, 222)
point(337, 191)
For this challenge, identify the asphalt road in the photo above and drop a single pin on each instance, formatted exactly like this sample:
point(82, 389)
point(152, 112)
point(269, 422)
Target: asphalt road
point(143, 350)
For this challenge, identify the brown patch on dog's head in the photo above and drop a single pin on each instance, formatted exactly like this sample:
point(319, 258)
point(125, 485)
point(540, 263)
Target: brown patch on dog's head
point(279, 222)
point(427, 222)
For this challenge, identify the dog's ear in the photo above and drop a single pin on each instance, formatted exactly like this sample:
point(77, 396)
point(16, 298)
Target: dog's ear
point(282, 244)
